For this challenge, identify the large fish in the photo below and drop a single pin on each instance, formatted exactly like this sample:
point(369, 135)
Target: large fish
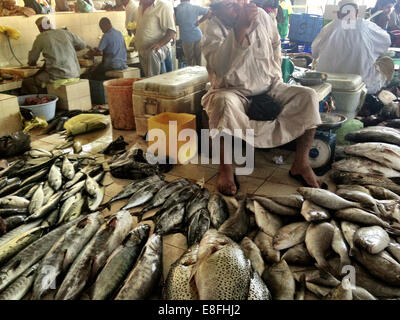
point(365, 166)
point(171, 220)
point(120, 263)
point(290, 200)
point(381, 265)
point(55, 177)
point(13, 202)
point(12, 168)
point(326, 199)
point(280, 281)
point(372, 239)
point(15, 245)
point(265, 243)
point(93, 257)
point(312, 212)
point(253, 253)
point(258, 289)
point(290, 235)
point(349, 230)
point(63, 253)
point(266, 221)
point(318, 242)
point(375, 134)
point(360, 293)
point(145, 275)
point(339, 245)
point(298, 255)
point(360, 216)
point(20, 287)
point(359, 179)
point(67, 169)
point(178, 285)
point(37, 200)
point(198, 226)
point(95, 201)
point(218, 210)
point(143, 195)
point(222, 271)
point(131, 188)
point(384, 153)
point(357, 196)
point(163, 194)
point(275, 207)
point(199, 201)
point(47, 208)
point(30, 255)
point(381, 193)
point(237, 225)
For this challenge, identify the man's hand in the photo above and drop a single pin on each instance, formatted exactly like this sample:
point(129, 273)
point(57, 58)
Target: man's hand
point(155, 47)
point(248, 13)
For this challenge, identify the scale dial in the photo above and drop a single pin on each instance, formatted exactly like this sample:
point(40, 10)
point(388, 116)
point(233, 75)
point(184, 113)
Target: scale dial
point(320, 153)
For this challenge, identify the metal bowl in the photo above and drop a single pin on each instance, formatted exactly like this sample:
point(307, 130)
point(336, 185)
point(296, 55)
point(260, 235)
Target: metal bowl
point(331, 121)
point(310, 78)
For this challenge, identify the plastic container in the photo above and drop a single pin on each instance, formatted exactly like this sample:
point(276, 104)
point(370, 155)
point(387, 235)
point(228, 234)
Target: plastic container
point(348, 91)
point(120, 104)
point(47, 110)
point(171, 125)
point(305, 27)
point(179, 91)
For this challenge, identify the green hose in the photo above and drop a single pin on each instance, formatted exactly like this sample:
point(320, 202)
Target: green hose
point(11, 48)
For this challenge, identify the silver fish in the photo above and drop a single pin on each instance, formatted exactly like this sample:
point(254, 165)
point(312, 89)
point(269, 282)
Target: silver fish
point(326, 199)
point(365, 166)
point(372, 239)
point(280, 281)
point(20, 287)
point(290, 235)
point(146, 273)
point(55, 177)
point(312, 212)
point(67, 169)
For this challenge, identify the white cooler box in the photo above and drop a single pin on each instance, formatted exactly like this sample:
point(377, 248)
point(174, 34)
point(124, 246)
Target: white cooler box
point(349, 92)
point(178, 91)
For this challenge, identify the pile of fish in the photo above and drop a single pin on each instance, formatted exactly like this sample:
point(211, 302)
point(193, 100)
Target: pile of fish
point(301, 247)
point(47, 188)
point(376, 152)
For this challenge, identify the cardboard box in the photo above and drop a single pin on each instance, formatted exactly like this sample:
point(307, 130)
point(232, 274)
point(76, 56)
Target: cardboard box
point(75, 96)
point(10, 118)
point(126, 73)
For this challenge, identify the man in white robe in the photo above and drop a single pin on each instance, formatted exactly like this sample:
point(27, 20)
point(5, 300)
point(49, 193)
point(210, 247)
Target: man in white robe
point(354, 46)
point(242, 48)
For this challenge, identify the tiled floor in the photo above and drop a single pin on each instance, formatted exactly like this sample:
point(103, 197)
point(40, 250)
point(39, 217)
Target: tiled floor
point(268, 178)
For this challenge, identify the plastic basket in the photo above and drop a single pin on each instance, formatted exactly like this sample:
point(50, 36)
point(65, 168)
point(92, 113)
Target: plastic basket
point(305, 27)
point(47, 110)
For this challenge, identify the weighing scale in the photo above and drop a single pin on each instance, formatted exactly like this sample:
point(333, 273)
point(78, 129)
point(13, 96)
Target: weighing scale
point(322, 152)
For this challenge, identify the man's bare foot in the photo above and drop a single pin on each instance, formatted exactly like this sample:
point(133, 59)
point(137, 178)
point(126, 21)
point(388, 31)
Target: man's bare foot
point(226, 181)
point(308, 175)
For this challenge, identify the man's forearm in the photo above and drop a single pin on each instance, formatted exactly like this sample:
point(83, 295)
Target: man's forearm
point(240, 34)
point(167, 38)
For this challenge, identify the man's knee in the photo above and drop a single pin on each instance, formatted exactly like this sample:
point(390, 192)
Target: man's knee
point(227, 100)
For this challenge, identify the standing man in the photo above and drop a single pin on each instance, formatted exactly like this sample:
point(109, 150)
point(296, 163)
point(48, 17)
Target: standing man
point(58, 49)
point(154, 31)
point(357, 50)
point(187, 18)
point(243, 51)
point(112, 46)
point(131, 11)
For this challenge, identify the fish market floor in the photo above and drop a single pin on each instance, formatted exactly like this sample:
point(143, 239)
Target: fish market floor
point(267, 178)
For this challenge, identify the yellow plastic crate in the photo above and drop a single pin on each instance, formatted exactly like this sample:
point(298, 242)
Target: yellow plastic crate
point(166, 136)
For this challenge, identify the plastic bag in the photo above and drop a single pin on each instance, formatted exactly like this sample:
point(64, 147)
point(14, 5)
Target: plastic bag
point(85, 123)
point(13, 33)
point(37, 122)
point(15, 144)
point(347, 127)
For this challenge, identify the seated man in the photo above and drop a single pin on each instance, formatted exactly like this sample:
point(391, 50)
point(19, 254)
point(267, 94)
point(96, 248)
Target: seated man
point(112, 46)
point(58, 48)
point(242, 48)
point(354, 46)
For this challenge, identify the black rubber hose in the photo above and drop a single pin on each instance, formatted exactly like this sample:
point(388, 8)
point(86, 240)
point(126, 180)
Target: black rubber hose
point(12, 50)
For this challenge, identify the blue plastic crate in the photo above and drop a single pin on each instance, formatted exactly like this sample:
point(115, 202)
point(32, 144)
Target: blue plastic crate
point(97, 92)
point(305, 27)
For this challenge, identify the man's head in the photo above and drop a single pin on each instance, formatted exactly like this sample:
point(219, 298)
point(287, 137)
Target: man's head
point(347, 7)
point(44, 24)
point(105, 24)
point(385, 5)
point(226, 10)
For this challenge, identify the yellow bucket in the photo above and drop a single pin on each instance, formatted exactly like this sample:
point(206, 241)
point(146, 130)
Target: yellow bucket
point(173, 135)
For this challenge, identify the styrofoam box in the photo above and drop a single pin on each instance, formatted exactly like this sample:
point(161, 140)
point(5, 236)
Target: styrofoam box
point(177, 91)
